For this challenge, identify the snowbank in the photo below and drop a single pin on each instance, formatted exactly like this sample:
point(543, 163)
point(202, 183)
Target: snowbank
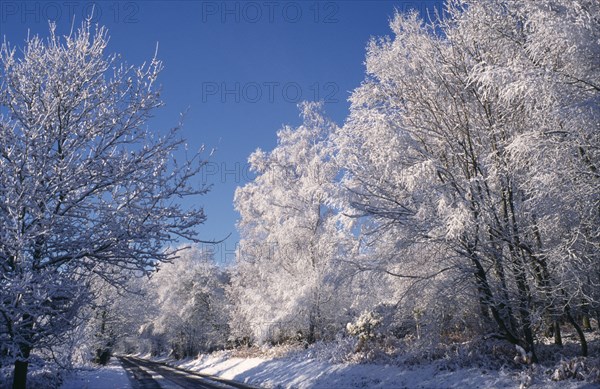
point(310, 373)
point(110, 376)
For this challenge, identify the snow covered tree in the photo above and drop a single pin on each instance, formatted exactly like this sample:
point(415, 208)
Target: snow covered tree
point(536, 62)
point(443, 151)
point(191, 314)
point(549, 74)
point(85, 188)
point(286, 275)
point(114, 317)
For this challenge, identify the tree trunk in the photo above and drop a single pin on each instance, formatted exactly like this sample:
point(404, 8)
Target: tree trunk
point(524, 295)
point(25, 346)
point(557, 335)
point(584, 346)
point(21, 366)
point(311, 338)
point(486, 296)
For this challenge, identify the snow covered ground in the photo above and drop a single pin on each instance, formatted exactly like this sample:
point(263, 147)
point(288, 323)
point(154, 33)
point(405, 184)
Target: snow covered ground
point(295, 373)
point(320, 367)
point(298, 373)
point(315, 374)
point(112, 376)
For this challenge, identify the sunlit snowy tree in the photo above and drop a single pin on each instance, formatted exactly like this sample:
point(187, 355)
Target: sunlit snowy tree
point(85, 188)
point(463, 139)
point(286, 277)
point(191, 314)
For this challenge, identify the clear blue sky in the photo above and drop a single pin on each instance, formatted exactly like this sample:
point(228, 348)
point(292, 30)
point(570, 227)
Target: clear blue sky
point(239, 68)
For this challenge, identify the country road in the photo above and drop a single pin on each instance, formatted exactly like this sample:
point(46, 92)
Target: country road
point(147, 374)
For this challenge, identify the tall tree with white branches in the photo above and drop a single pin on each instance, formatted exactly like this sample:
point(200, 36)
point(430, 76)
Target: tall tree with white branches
point(85, 188)
point(290, 240)
point(464, 137)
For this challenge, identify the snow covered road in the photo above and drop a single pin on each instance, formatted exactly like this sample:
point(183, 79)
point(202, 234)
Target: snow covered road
point(155, 375)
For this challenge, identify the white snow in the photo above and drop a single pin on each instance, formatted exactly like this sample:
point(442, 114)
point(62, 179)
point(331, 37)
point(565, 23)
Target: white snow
point(110, 376)
point(296, 373)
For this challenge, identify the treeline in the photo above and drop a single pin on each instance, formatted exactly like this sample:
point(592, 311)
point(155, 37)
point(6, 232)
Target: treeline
point(466, 175)
point(460, 197)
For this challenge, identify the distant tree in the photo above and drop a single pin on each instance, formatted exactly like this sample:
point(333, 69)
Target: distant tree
point(190, 314)
point(85, 188)
point(114, 317)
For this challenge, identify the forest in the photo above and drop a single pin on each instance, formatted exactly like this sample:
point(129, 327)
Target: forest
point(457, 206)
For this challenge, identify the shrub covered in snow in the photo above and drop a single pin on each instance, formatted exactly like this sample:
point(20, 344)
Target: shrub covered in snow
point(365, 327)
point(579, 368)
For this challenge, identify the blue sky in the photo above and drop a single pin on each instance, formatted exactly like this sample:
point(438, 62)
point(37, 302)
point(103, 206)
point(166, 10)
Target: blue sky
point(238, 68)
